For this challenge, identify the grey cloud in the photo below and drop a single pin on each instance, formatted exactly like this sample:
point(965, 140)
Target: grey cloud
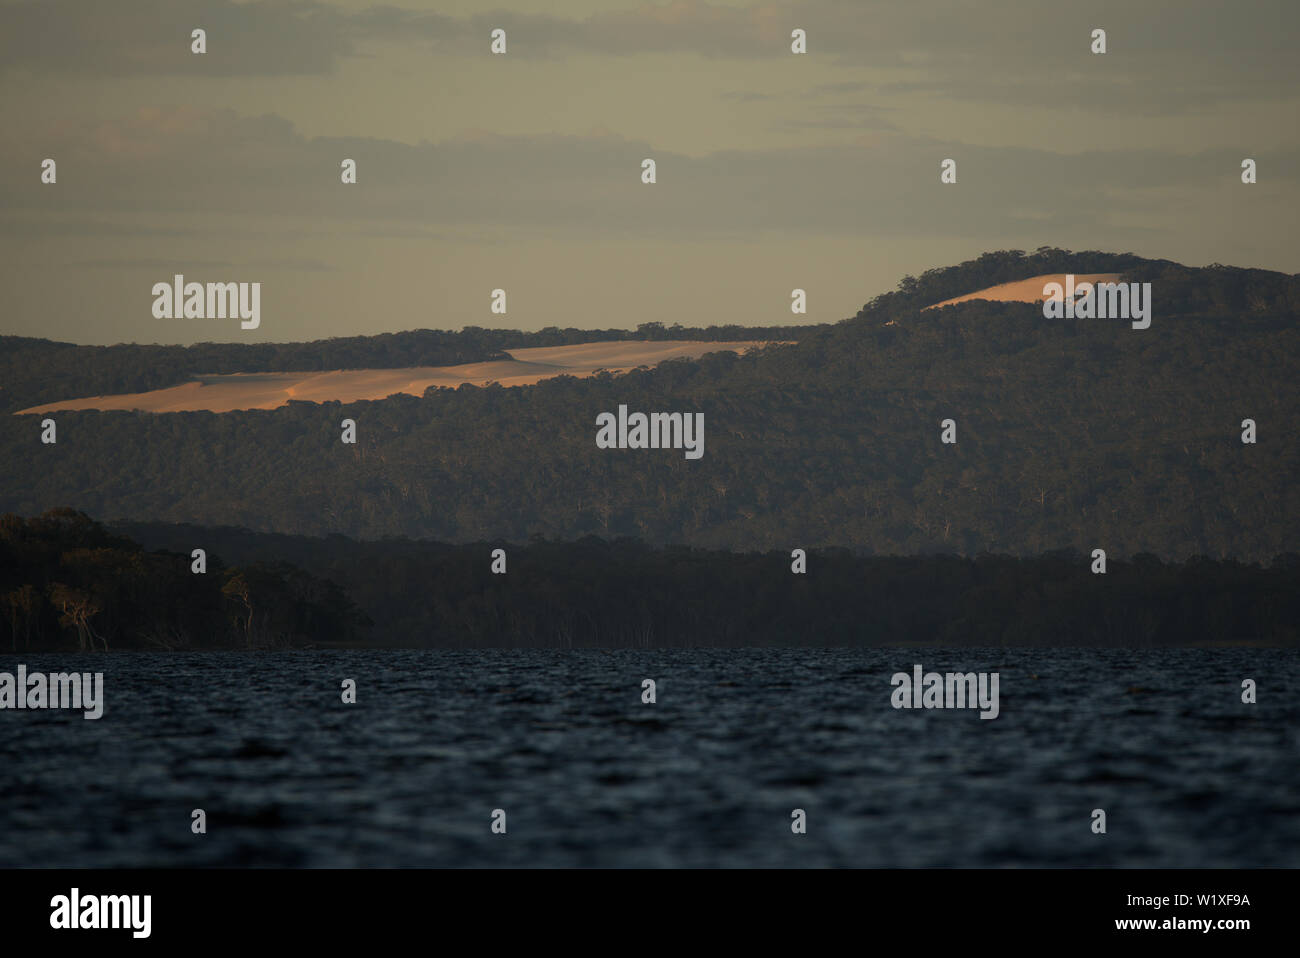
point(152, 37)
point(856, 86)
point(886, 185)
point(184, 262)
point(27, 227)
point(860, 117)
point(1165, 55)
point(144, 263)
point(747, 96)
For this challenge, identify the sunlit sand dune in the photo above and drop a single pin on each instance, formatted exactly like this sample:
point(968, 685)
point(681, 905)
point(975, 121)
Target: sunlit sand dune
point(225, 393)
point(1028, 290)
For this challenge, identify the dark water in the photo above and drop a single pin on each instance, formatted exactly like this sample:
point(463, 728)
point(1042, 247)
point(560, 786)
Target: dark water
point(707, 776)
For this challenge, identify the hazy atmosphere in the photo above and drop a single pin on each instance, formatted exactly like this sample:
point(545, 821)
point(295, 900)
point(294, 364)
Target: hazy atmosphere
point(522, 171)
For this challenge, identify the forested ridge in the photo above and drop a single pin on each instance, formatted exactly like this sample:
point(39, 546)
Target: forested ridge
point(34, 371)
point(1074, 434)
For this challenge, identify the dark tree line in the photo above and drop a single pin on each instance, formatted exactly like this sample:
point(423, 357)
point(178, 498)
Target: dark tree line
point(620, 594)
point(68, 583)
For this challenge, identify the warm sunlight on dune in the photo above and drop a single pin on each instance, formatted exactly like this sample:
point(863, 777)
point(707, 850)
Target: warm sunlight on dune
point(225, 393)
point(1027, 290)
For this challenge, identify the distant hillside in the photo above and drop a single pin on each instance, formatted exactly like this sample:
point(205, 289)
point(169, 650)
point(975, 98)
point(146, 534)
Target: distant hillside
point(35, 371)
point(519, 367)
point(1071, 434)
point(1188, 290)
point(1028, 290)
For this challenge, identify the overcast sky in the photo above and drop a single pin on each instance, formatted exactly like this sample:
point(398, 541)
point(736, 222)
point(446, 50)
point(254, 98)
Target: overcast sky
point(523, 171)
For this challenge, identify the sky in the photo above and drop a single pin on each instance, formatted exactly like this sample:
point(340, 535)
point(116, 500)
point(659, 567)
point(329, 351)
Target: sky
point(522, 171)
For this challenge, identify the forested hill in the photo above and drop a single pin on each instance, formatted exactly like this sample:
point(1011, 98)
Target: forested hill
point(34, 371)
point(1180, 290)
point(1071, 434)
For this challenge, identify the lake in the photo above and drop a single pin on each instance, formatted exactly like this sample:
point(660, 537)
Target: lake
point(708, 775)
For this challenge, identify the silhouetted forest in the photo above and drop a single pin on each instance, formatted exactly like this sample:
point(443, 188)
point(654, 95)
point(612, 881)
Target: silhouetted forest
point(596, 593)
point(67, 583)
point(1071, 434)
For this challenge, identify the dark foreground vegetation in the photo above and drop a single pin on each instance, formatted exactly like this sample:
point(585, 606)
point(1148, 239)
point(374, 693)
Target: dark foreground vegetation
point(68, 583)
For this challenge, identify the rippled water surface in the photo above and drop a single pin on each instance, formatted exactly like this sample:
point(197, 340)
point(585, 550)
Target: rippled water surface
point(707, 776)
